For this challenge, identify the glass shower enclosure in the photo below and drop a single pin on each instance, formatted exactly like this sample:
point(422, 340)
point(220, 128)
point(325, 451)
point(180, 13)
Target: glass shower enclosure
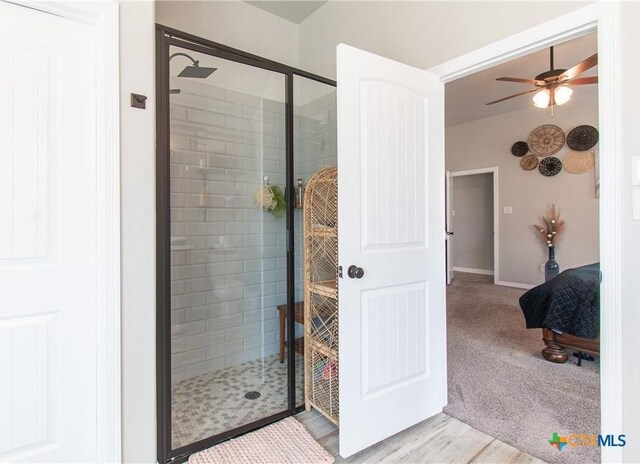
point(231, 145)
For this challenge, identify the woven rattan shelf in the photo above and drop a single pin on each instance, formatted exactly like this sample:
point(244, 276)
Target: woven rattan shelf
point(326, 288)
point(324, 231)
point(321, 294)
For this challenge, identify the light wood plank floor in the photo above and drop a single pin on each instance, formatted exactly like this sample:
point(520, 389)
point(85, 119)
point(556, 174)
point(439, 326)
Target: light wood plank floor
point(441, 439)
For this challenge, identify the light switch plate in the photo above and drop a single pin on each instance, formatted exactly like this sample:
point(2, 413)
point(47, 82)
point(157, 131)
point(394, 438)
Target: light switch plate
point(508, 209)
point(635, 170)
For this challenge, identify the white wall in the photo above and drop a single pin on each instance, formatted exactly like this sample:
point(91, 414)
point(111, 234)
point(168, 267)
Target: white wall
point(137, 158)
point(454, 28)
point(472, 222)
point(236, 24)
point(629, 28)
point(487, 143)
point(419, 33)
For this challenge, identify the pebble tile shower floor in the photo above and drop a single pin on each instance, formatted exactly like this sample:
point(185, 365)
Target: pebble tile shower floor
point(215, 402)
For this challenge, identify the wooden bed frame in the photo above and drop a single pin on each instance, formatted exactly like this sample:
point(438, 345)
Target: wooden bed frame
point(556, 343)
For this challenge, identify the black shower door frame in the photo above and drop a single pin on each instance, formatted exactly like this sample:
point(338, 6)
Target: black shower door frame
point(166, 37)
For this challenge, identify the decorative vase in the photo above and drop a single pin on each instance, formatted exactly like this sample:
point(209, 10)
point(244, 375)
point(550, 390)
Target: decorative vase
point(551, 269)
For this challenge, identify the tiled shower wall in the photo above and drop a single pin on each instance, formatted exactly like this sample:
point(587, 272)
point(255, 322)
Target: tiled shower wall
point(228, 258)
point(315, 148)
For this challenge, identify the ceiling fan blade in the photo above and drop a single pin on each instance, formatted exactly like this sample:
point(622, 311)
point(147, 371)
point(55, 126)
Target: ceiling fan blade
point(523, 81)
point(513, 96)
point(583, 80)
point(579, 68)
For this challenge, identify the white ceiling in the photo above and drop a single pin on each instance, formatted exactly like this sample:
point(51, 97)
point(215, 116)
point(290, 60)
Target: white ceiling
point(292, 10)
point(465, 98)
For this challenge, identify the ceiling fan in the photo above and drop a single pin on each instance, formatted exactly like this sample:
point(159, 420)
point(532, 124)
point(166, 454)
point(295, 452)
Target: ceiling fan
point(553, 85)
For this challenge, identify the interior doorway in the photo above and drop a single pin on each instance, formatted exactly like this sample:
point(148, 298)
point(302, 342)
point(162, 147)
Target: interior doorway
point(490, 338)
point(472, 222)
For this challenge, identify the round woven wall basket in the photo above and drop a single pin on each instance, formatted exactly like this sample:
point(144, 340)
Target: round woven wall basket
point(519, 148)
point(579, 162)
point(582, 138)
point(546, 140)
point(550, 166)
point(529, 162)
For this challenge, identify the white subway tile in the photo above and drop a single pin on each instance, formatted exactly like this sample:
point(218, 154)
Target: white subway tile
point(186, 99)
point(243, 357)
point(205, 228)
point(178, 375)
point(205, 339)
point(225, 107)
point(242, 331)
point(197, 369)
point(242, 98)
point(224, 322)
point(204, 117)
point(205, 312)
point(204, 90)
point(224, 295)
point(215, 351)
point(188, 357)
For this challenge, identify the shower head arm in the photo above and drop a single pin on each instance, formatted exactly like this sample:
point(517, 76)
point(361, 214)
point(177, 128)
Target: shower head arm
point(195, 62)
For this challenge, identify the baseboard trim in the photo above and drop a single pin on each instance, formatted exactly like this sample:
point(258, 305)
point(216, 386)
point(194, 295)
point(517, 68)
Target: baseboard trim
point(470, 270)
point(514, 284)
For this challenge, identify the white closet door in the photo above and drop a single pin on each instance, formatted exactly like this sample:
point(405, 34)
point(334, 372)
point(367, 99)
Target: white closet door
point(391, 225)
point(48, 230)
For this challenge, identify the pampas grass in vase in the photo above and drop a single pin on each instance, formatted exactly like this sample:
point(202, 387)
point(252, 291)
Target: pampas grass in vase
point(549, 233)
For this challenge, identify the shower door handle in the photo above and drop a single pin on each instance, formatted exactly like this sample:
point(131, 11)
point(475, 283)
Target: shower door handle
point(355, 272)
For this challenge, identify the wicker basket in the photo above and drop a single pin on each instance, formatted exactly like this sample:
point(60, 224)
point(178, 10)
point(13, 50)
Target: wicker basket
point(321, 293)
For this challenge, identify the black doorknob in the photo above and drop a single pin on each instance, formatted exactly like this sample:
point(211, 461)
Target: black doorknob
point(355, 272)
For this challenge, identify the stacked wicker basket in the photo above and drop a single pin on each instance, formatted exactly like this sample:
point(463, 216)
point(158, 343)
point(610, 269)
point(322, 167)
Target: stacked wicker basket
point(321, 293)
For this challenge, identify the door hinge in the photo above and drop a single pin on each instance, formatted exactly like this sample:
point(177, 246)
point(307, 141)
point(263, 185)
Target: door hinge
point(340, 271)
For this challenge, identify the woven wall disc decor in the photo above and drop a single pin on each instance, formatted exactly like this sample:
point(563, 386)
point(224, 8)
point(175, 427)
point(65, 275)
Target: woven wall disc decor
point(520, 148)
point(579, 162)
point(550, 166)
point(582, 138)
point(546, 140)
point(529, 162)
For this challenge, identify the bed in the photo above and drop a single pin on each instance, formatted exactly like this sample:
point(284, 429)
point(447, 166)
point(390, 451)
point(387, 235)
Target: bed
point(567, 309)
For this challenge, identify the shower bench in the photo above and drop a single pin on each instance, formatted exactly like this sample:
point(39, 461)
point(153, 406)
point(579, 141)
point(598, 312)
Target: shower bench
point(299, 318)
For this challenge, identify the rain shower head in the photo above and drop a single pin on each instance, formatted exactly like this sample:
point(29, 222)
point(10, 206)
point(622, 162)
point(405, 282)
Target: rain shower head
point(196, 71)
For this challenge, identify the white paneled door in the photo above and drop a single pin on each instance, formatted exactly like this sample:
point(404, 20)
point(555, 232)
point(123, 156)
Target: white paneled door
point(391, 238)
point(48, 230)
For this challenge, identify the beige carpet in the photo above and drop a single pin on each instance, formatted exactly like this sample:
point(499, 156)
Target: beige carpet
point(500, 384)
point(285, 442)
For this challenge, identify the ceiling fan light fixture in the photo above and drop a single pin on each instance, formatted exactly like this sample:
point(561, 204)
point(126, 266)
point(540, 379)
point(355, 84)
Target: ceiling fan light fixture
point(562, 95)
point(541, 99)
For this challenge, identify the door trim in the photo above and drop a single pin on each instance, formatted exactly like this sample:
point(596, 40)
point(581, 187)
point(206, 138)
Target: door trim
point(103, 18)
point(496, 218)
point(603, 17)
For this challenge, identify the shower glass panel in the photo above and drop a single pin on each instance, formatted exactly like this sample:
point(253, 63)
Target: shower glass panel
point(228, 245)
point(315, 147)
